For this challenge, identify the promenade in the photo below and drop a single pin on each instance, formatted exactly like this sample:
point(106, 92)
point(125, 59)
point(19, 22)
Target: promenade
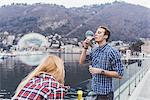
point(142, 91)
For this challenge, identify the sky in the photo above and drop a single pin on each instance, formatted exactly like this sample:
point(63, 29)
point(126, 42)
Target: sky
point(75, 3)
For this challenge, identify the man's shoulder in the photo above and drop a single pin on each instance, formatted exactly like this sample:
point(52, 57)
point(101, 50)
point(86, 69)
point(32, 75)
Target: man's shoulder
point(112, 49)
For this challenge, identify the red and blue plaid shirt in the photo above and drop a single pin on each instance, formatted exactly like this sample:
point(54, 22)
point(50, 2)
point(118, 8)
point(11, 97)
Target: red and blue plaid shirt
point(42, 87)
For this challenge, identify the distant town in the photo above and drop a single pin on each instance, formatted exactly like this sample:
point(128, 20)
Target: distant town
point(56, 43)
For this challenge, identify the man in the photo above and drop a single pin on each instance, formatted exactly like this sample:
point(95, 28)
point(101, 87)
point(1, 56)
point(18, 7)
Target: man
point(106, 64)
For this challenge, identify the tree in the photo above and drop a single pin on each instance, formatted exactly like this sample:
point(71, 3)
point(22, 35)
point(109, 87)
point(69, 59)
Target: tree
point(136, 46)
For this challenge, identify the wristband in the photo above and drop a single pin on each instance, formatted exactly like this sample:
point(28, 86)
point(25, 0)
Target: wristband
point(86, 48)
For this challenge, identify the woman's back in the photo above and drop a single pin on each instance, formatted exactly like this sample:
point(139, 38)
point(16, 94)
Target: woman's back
point(41, 87)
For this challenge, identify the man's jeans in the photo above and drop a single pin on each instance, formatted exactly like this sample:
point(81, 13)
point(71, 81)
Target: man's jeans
point(108, 96)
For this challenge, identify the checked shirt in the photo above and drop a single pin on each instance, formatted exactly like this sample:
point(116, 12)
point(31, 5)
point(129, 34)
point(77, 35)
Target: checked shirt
point(42, 87)
point(107, 58)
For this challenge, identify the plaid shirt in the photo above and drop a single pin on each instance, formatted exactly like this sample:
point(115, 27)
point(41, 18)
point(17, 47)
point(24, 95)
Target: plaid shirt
point(42, 87)
point(106, 58)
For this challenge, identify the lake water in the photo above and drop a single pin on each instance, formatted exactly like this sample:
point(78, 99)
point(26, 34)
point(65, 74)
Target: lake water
point(14, 69)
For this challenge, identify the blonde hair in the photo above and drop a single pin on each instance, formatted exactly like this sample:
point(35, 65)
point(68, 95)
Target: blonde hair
point(52, 65)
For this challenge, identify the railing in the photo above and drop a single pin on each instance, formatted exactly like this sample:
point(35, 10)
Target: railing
point(133, 75)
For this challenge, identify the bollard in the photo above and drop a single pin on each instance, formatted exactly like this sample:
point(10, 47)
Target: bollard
point(80, 93)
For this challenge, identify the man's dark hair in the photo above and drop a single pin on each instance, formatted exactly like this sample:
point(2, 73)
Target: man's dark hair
point(107, 32)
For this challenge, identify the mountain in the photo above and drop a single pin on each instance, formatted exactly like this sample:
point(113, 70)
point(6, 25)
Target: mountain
point(126, 21)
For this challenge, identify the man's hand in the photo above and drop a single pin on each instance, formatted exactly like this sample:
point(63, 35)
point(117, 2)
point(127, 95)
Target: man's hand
point(86, 43)
point(93, 70)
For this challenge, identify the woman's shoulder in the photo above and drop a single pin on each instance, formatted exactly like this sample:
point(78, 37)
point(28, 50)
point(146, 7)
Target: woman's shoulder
point(51, 81)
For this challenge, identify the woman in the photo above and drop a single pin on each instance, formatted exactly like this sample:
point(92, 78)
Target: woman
point(45, 82)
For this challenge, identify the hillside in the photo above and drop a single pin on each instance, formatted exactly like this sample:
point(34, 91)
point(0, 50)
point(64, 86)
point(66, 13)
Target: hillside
point(126, 21)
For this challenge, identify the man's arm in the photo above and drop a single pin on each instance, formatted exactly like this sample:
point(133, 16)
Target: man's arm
point(83, 56)
point(112, 74)
point(107, 73)
point(84, 51)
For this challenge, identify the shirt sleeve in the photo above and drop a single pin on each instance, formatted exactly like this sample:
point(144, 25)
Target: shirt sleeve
point(57, 94)
point(117, 63)
point(89, 57)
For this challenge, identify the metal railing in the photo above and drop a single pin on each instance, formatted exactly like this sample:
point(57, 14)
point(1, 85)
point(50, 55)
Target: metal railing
point(133, 75)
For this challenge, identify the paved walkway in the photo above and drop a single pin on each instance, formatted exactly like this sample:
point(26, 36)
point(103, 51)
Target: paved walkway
point(142, 91)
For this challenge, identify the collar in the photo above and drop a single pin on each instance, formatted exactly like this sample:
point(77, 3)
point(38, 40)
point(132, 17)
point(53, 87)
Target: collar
point(101, 48)
point(46, 75)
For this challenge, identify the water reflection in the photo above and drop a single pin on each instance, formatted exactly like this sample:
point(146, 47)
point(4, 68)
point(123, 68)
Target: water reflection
point(32, 59)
